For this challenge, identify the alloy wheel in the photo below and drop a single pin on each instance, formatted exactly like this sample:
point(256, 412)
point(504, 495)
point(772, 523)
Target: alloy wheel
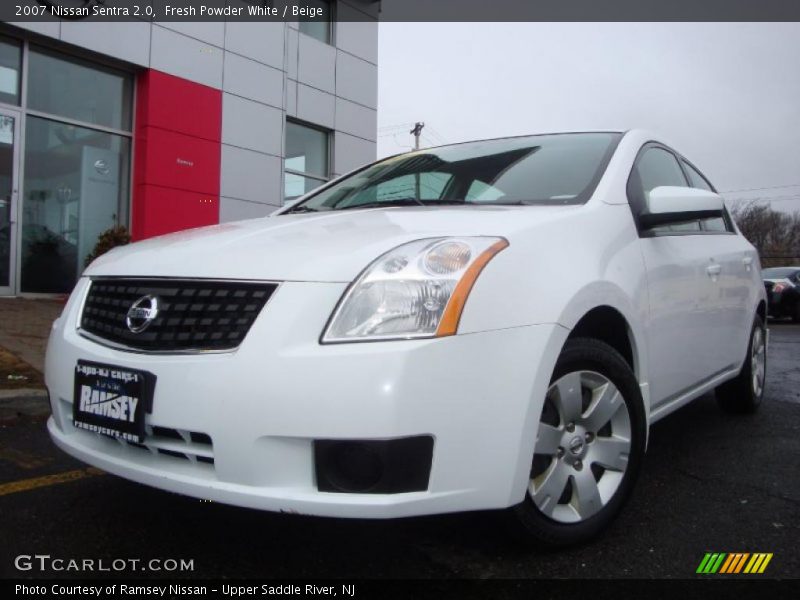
point(582, 447)
point(758, 361)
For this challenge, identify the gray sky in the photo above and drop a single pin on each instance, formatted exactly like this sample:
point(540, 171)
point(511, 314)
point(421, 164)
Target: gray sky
point(726, 95)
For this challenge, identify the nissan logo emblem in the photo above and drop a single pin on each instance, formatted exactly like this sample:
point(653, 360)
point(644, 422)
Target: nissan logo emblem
point(101, 166)
point(141, 313)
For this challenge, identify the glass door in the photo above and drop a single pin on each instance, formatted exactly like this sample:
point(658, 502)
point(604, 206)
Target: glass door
point(9, 136)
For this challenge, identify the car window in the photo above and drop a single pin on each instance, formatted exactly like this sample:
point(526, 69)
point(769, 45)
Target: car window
point(431, 187)
point(553, 169)
point(482, 192)
point(716, 224)
point(779, 273)
point(658, 167)
point(696, 179)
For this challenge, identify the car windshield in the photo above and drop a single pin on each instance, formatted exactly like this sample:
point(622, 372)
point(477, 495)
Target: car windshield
point(778, 272)
point(544, 169)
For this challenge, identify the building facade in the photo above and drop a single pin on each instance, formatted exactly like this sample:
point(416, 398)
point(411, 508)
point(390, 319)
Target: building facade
point(166, 126)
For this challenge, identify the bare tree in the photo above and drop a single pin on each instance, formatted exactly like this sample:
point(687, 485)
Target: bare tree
point(775, 234)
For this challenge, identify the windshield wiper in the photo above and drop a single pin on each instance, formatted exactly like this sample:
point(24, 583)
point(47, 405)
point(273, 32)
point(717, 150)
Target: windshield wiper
point(385, 203)
point(301, 209)
point(401, 202)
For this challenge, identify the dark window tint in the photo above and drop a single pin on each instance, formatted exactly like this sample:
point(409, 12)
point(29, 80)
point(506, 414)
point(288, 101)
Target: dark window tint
point(696, 179)
point(76, 187)
point(317, 28)
point(547, 169)
point(307, 162)
point(79, 90)
point(10, 59)
point(657, 167)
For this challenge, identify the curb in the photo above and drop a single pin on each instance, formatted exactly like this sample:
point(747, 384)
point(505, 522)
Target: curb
point(23, 402)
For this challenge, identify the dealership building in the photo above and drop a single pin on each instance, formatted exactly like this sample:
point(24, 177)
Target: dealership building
point(166, 126)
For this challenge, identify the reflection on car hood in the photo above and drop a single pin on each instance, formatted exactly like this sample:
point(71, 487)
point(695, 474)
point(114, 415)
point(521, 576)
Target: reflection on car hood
point(330, 246)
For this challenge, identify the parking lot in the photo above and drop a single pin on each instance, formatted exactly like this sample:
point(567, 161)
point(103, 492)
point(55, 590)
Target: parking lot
point(711, 482)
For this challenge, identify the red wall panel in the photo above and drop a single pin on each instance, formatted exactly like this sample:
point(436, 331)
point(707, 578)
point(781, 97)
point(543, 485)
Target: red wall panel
point(166, 210)
point(179, 105)
point(178, 161)
point(176, 170)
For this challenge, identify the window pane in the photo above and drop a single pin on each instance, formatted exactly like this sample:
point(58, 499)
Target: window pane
point(431, 188)
point(7, 142)
point(306, 150)
point(715, 224)
point(297, 185)
point(76, 187)
point(320, 30)
point(78, 90)
point(10, 58)
point(658, 167)
point(695, 178)
point(483, 192)
point(546, 169)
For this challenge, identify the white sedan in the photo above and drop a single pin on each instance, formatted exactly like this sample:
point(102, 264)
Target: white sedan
point(487, 325)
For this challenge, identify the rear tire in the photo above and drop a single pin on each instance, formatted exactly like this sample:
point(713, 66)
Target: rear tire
point(796, 312)
point(589, 447)
point(743, 394)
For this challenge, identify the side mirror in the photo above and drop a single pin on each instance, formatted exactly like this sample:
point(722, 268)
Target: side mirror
point(671, 204)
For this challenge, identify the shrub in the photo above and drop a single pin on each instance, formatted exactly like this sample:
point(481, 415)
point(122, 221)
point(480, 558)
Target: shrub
point(110, 238)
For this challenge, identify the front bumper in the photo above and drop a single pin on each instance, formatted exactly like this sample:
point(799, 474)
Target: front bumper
point(478, 395)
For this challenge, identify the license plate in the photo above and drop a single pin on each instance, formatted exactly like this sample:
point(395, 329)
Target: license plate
point(112, 400)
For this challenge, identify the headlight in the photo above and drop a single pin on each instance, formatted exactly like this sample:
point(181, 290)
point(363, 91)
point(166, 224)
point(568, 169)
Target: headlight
point(417, 290)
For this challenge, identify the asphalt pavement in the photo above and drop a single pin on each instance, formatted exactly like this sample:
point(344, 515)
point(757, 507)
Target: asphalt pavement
point(711, 482)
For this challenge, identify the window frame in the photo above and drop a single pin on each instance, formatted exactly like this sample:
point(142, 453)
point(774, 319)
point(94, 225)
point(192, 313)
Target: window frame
point(26, 41)
point(21, 79)
point(331, 41)
point(635, 202)
point(328, 160)
point(57, 54)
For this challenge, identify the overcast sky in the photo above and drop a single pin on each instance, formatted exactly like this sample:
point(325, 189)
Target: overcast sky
point(726, 95)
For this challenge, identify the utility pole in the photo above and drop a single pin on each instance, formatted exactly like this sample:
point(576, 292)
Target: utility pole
point(416, 132)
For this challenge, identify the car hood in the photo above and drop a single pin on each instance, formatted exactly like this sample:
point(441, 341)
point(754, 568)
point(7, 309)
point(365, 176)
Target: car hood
point(329, 247)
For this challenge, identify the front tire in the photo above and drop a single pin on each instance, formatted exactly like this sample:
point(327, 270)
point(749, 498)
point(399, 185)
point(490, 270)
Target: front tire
point(744, 393)
point(589, 447)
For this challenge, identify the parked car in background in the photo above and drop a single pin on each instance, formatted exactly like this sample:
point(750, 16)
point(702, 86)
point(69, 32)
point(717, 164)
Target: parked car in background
point(783, 291)
point(486, 325)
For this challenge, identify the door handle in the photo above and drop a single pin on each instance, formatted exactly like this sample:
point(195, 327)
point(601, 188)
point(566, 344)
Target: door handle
point(713, 270)
point(747, 261)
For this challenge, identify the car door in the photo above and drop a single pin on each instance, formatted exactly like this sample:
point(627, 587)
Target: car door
point(683, 288)
point(736, 285)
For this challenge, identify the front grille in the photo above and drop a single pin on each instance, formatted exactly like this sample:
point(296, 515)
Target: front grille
point(192, 314)
point(177, 443)
point(192, 446)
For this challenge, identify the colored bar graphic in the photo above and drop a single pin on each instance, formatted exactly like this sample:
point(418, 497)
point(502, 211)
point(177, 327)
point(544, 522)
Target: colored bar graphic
point(728, 563)
point(740, 564)
point(703, 563)
point(718, 562)
point(711, 562)
point(765, 563)
point(754, 563)
point(734, 562)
